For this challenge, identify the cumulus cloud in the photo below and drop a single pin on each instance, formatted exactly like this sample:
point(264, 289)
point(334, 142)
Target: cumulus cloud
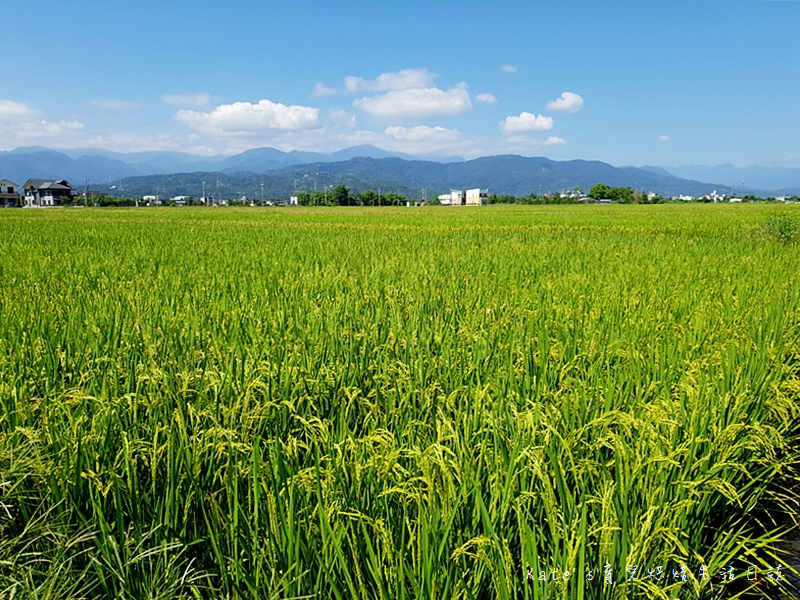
point(486, 98)
point(554, 140)
point(16, 110)
point(417, 103)
point(21, 124)
point(423, 140)
point(569, 102)
point(526, 122)
point(386, 82)
point(423, 133)
point(183, 100)
point(117, 106)
point(243, 118)
point(320, 90)
point(663, 138)
point(509, 68)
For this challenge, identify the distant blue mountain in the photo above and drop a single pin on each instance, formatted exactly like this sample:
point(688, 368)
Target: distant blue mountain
point(507, 174)
point(513, 175)
point(364, 167)
point(743, 180)
point(97, 165)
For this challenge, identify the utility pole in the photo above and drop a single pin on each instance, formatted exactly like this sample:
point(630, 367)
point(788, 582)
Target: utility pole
point(205, 200)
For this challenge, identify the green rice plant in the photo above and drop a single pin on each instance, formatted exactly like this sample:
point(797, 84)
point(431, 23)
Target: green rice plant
point(378, 403)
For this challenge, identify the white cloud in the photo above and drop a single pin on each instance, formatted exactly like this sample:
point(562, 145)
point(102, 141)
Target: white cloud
point(509, 68)
point(523, 144)
point(663, 138)
point(21, 124)
point(423, 133)
point(341, 118)
point(486, 98)
point(526, 122)
point(417, 103)
point(131, 142)
point(46, 131)
point(320, 90)
point(244, 118)
point(117, 106)
point(386, 82)
point(182, 100)
point(569, 102)
point(424, 140)
point(16, 110)
point(56, 134)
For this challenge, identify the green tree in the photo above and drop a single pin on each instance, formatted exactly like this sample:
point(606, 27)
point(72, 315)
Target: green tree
point(369, 198)
point(624, 195)
point(341, 196)
point(600, 191)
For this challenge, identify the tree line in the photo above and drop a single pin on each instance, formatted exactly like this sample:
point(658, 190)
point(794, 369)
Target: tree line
point(342, 196)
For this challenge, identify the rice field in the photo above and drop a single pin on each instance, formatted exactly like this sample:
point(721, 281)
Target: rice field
point(415, 403)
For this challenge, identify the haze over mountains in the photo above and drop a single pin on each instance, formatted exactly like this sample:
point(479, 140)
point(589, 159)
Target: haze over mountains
point(367, 167)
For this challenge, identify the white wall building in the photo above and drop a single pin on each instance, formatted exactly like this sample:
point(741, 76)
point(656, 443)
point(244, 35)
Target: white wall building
point(477, 197)
point(473, 197)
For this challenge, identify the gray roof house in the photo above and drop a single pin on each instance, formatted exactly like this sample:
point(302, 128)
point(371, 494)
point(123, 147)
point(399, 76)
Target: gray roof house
point(45, 192)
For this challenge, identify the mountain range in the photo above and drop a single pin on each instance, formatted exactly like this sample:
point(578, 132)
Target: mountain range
point(98, 165)
point(277, 174)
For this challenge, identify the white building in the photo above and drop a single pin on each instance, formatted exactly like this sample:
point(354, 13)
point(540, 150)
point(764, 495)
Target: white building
point(473, 197)
point(458, 197)
point(477, 197)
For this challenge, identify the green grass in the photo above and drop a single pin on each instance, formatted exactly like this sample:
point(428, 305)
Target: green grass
point(395, 403)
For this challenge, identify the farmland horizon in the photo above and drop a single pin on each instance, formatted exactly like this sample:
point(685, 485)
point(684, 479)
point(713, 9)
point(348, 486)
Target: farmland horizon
point(367, 166)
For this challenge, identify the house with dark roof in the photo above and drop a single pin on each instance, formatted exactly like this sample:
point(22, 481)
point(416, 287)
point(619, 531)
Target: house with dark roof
point(43, 192)
point(9, 193)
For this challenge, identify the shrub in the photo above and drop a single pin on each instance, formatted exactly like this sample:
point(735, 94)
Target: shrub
point(784, 228)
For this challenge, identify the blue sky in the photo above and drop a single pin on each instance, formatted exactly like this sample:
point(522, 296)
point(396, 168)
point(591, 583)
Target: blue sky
point(629, 83)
